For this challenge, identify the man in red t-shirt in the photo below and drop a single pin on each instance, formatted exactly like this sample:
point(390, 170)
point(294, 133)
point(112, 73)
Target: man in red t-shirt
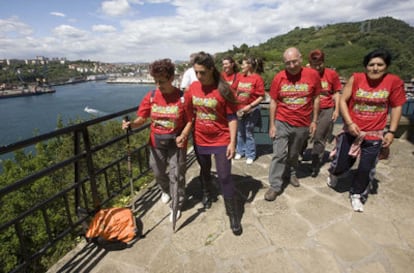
point(294, 107)
point(329, 107)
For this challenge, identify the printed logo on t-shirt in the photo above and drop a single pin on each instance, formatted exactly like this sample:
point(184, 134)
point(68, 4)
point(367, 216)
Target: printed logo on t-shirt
point(244, 89)
point(164, 117)
point(205, 108)
point(299, 87)
point(294, 95)
point(371, 103)
point(325, 92)
point(295, 101)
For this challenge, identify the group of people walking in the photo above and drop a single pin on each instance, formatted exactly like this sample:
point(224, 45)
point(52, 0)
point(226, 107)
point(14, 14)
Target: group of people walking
point(221, 109)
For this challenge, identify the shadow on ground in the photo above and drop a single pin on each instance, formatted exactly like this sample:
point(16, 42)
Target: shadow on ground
point(246, 188)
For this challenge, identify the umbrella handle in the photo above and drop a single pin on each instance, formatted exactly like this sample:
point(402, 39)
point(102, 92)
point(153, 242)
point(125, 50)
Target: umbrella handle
point(131, 183)
point(176, 197)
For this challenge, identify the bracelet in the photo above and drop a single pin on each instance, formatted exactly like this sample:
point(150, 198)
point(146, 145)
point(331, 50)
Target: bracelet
point(349, 124)
point(391, 132)
point(251, 106)
point(314, 122)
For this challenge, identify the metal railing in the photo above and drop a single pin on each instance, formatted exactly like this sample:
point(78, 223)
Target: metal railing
point(88, 183)
point(62, 193)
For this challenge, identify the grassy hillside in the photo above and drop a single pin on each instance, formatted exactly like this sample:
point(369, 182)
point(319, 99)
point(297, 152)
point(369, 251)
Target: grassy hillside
point(345, 44)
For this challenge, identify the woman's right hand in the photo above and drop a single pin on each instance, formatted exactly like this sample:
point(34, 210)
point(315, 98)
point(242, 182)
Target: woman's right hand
point(353, 129)
point(126, 124)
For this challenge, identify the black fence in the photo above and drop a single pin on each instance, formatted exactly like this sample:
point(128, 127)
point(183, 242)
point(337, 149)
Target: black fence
point(61, 195)
point(77, 185)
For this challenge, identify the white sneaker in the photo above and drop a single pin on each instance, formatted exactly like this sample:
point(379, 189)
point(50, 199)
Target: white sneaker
point(237, 156)
point(249, 161)
point(178, 215)
point(165, 197)
point(356, 203)
point(332, 181)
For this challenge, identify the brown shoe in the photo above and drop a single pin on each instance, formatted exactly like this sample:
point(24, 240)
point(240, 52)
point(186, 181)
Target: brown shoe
point(271, 195)
point(294, 181)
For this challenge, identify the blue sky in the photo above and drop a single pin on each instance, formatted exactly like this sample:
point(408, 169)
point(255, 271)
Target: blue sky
point(145, 30)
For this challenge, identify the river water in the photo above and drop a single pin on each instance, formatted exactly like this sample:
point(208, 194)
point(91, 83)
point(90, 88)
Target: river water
point(23, 117)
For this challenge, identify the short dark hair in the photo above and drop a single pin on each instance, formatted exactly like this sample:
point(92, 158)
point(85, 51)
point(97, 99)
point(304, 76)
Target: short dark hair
point(316, 55)
point(162, 68)
point(378, 53)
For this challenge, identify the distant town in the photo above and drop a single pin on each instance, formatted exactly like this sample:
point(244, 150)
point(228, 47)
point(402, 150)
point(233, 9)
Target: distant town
point(39, 75)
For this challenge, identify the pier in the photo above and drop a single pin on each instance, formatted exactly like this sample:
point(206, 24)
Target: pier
point(13, 93)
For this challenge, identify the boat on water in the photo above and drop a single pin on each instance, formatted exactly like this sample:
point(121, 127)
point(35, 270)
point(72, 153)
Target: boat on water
point(23, 92)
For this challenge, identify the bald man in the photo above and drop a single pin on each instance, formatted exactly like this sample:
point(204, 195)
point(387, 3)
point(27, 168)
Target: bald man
point(294, 107)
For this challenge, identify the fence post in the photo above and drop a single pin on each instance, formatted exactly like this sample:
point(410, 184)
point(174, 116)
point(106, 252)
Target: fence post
point(91, 169)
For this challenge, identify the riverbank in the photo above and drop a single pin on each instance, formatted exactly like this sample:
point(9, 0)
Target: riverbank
point(36, 115)
point(12, 93)
point(131, 80)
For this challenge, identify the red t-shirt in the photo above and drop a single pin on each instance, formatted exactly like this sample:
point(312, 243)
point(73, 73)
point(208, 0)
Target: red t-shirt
point(369, 104)
point(211, 113)
point(330, 85)
point(166, 111)
point(230, 79)
point(249, 88)
point(294, 95)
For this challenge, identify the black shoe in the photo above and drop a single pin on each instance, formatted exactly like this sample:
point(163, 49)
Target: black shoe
point(233, 211)
point(315, 165)
point(206, 201)
point(315, 172)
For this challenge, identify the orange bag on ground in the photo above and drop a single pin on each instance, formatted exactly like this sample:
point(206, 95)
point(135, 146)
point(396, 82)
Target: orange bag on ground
point(113, 225)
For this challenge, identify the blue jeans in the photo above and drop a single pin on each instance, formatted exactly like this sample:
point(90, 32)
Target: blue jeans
point(342, 162)
point(246, 145)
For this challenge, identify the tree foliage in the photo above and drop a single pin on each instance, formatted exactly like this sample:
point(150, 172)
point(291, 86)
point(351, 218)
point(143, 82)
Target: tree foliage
point(345, 45)
point(45, 154)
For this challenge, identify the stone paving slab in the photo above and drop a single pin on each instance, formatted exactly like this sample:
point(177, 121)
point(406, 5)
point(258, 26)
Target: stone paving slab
point(307, 229)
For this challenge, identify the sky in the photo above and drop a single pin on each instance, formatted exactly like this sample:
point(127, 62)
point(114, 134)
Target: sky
point(146, 30)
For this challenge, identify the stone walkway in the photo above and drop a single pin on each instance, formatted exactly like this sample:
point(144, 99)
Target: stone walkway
point(307, 229)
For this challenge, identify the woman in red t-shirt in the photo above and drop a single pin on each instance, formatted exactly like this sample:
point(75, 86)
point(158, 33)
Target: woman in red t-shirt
point(169, 130)
point(212, 106)
point(230, 71)
point(250, 92)
point(364, 105)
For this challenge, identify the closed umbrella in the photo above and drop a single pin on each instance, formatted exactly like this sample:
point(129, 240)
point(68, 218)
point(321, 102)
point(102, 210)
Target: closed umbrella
point(174, 191)
point(131, 181)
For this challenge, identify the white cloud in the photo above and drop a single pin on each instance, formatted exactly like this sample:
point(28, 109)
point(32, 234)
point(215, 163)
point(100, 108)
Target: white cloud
point(209, 25)
point(69, 32)
point(115, 7)
point(103, 28)
point(14, 27)
point(58, 14)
